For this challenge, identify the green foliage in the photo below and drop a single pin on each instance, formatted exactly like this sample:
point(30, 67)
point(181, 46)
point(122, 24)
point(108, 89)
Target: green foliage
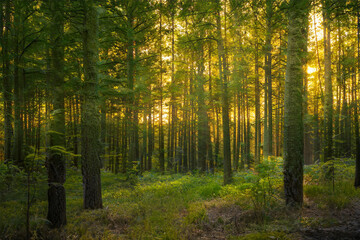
point(318, 173)
point(262, 187)
point(196, 214)
point(269, 178)
point(210, 190)
point(13, 197)
point(332, 197)
point(334, 190)
point(156, 206)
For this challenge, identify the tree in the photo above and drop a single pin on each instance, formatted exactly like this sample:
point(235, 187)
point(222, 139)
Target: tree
point(223, 74)
point(293, 122)
point(161, 126)
point(257, 89)
point(56, 159)
point(328, 103)
point(7, 82)
point(268, 136)
point(90, 119)
point(357, 134)
point(18, 153)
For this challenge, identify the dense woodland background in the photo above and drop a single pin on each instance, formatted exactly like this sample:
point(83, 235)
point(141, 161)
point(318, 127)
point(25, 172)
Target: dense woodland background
point(173, 89)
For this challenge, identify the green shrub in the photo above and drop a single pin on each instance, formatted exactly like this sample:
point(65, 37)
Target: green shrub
point(196, 214)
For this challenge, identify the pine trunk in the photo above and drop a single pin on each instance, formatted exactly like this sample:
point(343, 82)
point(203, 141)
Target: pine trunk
point(90, 119)
point(223, 73)
point(293, 122)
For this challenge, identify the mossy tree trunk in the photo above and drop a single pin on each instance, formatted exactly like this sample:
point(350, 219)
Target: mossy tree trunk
point(90, 118)
point(293, 119)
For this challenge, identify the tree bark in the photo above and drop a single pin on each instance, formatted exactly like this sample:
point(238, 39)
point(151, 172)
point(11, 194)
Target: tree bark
point(223, 73)
point(90, 119)
point(161, 127)
point(357, 134)
point(7, 83)
point(293, 122)
point(328, 103)
point(18, 153)
point(268, 81)
point(203, 122)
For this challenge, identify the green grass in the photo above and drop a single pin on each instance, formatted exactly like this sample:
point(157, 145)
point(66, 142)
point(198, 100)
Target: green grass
point(156, 206)
point(329, 196)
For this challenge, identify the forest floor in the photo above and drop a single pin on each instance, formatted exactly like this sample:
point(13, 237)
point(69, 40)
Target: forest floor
point(192, 206)
point(342, 224)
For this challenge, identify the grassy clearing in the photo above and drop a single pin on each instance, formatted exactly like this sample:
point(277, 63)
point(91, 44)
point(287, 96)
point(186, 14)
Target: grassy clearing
point(179, 206)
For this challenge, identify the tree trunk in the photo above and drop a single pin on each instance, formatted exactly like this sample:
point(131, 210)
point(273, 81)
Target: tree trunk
point(268, 79)
point(307, 125)
point(161, 127)
point(223, 73)
point(328, 104)
point(150, 140)
point(117, 144)
point(357, 134)
point(7, 83)
point(18, 88)
point(56, 159)
point(203, 121)
point(293, 122)
point(257, 105)
point(90, 119)
point(248, 131)
point(103, 130)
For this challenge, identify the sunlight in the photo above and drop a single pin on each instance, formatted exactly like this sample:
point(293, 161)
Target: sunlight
point(310, 70)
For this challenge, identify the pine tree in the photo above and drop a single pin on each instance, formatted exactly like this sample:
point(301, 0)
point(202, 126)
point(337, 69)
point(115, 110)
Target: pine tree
point(90, 119)
point(56, 159)
point(293, 122)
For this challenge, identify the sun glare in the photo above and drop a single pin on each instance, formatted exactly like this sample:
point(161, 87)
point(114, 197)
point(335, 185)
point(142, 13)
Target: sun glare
point(310, 70)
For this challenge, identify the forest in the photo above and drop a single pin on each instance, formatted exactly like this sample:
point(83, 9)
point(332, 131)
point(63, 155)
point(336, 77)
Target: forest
point(180, 119)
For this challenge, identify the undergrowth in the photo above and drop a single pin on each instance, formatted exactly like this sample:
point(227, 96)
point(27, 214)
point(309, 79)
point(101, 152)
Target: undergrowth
point(155, 206)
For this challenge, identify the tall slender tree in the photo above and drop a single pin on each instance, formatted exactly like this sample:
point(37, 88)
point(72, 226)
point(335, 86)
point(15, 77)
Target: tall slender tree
point(7, 82)
point(357, 134)
point(223, 73)
point(268, 135)
point(161, 126)
point(18, 153)
point(328, 102)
